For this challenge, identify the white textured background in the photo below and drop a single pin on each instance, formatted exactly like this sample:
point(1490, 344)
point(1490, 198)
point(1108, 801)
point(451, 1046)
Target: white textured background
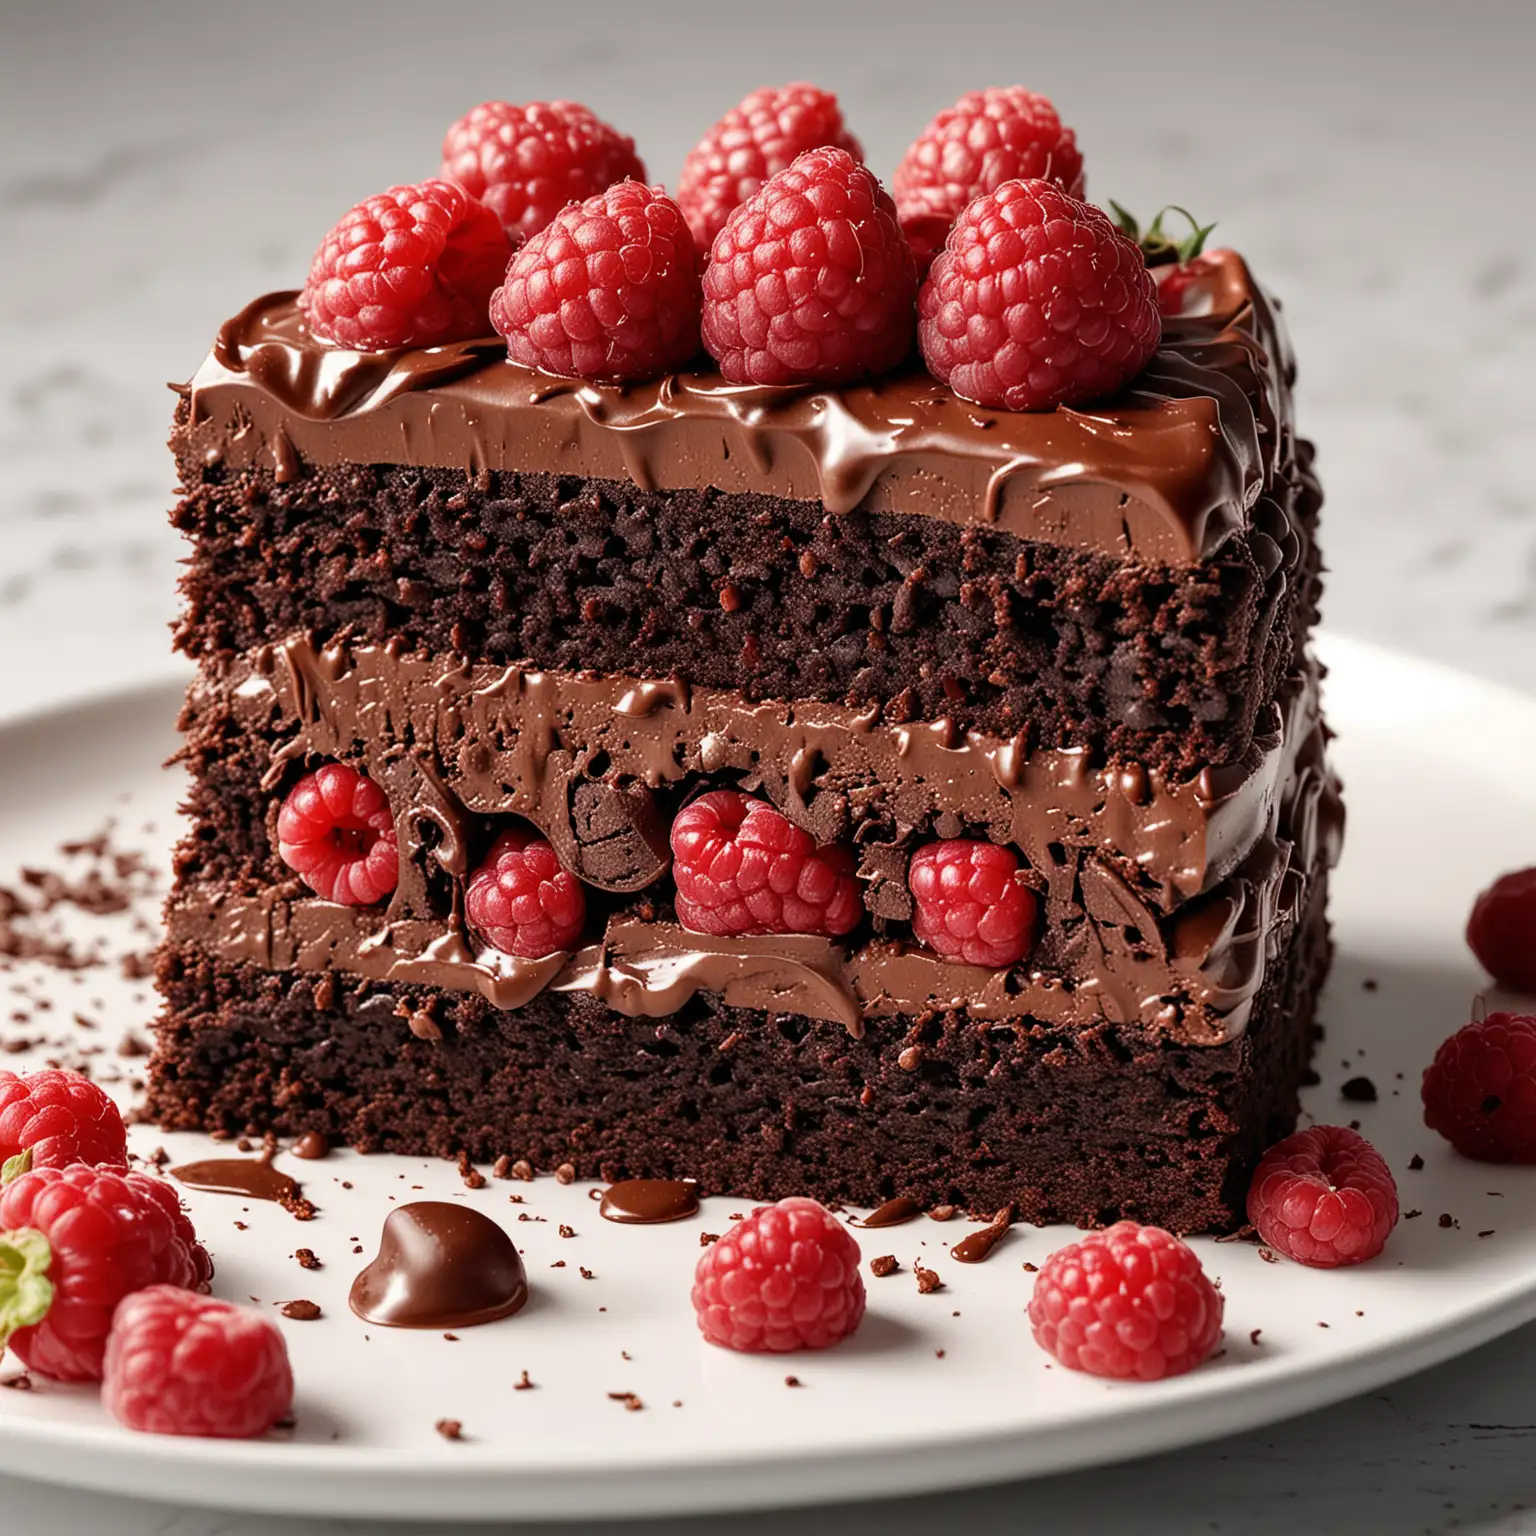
point(160, 164)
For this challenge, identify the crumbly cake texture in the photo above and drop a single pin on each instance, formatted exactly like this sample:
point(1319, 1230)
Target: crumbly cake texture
point(894, 616)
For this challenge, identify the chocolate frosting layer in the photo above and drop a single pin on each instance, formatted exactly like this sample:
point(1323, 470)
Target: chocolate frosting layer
point(1167, 471)
point(1239, 843)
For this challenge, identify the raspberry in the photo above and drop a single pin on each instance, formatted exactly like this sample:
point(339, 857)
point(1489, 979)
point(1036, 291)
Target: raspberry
point(411, 267)
point(971, 904)
point(520, 899)
point(335, 829)
point(752, 142)
point(741, 867)
point(181, 1364)
point(73, 1242)
point(1324, 1197)
point(811, 281)
point(1502, 930)
point(1130, 1301)
point(787, 1277)
point(987, 137)
point(608, 291)
point(61, 1118)
point(525, 163)
point(1036, 300)
point(1480, 1090)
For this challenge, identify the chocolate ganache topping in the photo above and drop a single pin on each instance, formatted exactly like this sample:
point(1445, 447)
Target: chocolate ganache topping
point(1168, 900)
point(1167, 471)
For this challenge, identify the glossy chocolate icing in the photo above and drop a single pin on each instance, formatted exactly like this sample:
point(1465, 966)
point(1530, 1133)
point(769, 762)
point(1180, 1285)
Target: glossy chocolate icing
point(440, 1266)
point(252, 1177)
point(648, 1202)
point(1167, 471)
point(1190, 966)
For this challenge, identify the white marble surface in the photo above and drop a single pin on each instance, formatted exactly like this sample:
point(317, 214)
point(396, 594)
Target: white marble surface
point(161, 163)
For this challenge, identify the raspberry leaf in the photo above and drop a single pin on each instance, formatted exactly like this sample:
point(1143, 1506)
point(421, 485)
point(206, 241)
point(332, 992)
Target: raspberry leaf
point(26, 1292)
point(1157, 245)
point(14, 1167)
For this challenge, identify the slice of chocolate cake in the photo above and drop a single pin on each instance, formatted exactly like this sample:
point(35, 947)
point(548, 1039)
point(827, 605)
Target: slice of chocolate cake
point(849, 790)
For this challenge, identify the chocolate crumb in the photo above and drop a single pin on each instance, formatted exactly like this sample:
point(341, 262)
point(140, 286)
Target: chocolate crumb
point(938, 1354)
point(1447, 1220)
point(451, 1338)
point(1488, 1233)
point(474, 1179)
point(630, 1400)
point(942, 1212)
point(1322, 1325)
point(706, 1238)
point(1269, 1256)
point(450, 1429)
point(523, 1384)
point(502, 1167)
point(130, 1045)
point(885, 1265)
point(565, 1174)
point(307, 1259)
point(18, 1383)
point(1253, 1336)
point(1031, 1269)
point(1370, 983)
point(523, 1169)
point(1409, 1215)
point(566, 1231)
point(586, 1274)
point(1359, 1090)
point(927, 1280)
point(1415, 1163)
point(300, 1311)
point(793, 1381)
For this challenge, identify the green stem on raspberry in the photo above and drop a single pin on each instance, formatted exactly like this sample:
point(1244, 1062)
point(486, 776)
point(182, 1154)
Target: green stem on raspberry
point(1156, 244)
point(14, 1167)
point(26, 1292)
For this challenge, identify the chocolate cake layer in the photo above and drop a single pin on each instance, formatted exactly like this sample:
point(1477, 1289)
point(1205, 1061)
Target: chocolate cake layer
point(1134, 580)
point(1162, 900)
point(1085, 1125)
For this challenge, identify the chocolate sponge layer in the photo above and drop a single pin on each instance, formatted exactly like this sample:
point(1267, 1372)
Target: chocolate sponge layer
point(1085, 1125)
point(1168, 664)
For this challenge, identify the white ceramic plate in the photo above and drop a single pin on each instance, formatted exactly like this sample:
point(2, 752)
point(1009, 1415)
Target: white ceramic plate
point(935, 1390)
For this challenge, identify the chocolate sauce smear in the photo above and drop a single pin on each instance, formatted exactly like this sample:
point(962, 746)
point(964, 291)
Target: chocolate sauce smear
point(440, 1266)
point(645, 1202)
point(893, 1213)
point(976, 1246)
point(247, 1176)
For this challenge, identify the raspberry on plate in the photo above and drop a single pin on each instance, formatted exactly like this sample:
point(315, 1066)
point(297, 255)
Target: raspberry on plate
point(987, 137)
point(335, 829)
point(1324, 1197)
point(741, 867)
point(1480, 1090)
point(811, 280)
point(1127, 1302)
point(521, 901)
point(526, 162)
point(61, 1118)
point(1037, 300)
point(787, 1277)
point(971, 904)
point(753, 141)
point(1502, 930)
point(182, 1364)
point(411, 267)
point(73, 1242)
point(608, 290)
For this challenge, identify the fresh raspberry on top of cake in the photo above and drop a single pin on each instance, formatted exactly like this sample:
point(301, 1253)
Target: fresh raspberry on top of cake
point(411, 267)
point(753, 141)
point(521, 901)
point(182, 1364)
point(1324, 1197)
point(741, 867)
point(1005, 133)
point(1037, 300)
point(811, 280)
point(608, 290)
point(526, 162)
point(60, 1118)
point(1480, 1090)
point(335, 829)
point(1127, 1302)
point(786, 1277)
point(1502, 930)
point(970, 903)
point(73, 1242)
